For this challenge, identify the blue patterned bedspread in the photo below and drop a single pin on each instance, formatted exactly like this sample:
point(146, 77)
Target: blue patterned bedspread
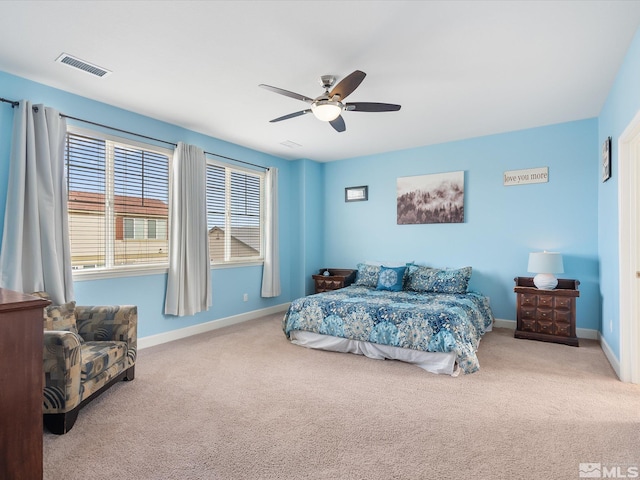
point(431, 322)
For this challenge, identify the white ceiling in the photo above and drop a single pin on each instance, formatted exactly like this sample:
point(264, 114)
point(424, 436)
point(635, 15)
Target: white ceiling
point(459, 69)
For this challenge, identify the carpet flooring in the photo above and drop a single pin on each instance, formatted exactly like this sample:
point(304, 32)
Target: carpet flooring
point(242, 402)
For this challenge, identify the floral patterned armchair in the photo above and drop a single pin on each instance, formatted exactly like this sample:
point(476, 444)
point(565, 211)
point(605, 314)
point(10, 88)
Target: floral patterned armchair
point(86, 350)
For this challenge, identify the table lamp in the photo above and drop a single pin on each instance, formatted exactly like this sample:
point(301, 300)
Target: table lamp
point(545, 264)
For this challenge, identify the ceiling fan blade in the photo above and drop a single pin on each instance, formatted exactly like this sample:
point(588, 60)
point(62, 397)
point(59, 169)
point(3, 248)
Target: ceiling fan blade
point(338, 124)
point(348, 84)
point(286, 93)
point(371, 107)
point(291, 115)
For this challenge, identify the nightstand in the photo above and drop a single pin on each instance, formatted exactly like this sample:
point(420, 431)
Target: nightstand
point(547, 315)
point(337, 278)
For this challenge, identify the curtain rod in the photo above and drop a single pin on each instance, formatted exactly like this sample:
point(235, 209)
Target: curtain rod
point(12, 102)
point(15, 104)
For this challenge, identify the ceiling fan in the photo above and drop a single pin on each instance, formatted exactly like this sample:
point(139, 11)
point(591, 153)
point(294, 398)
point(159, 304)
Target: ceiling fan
point(329, 106)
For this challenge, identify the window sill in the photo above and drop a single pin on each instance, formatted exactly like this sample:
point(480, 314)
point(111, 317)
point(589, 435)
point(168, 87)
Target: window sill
point(100, 274)
point(247, 263)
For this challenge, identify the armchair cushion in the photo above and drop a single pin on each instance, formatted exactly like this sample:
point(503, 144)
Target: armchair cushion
point(110, 323)
point(100, 356)
point(59, 317)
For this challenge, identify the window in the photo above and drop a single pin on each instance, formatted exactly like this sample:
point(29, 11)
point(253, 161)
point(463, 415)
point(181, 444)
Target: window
point(234, 213)
point(147, 228)
point(151, 229)
point(118, 193)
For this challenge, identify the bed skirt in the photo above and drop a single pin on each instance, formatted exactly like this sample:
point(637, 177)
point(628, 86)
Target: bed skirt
point(434, 362)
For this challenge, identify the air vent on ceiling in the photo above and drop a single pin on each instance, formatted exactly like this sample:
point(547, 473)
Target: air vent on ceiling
point(82, 65)
point(290, 144)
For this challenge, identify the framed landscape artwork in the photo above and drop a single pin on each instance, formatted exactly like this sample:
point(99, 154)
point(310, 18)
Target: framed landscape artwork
point(436, 198)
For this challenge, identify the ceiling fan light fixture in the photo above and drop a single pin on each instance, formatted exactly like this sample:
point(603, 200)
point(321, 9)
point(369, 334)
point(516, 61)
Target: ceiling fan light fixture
point(326, 110)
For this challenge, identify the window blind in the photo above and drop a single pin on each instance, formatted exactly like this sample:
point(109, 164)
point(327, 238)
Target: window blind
point(86, 190)
point(118, 203)
point(234, 207)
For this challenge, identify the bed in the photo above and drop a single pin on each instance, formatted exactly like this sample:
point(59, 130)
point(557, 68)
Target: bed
point(420, 315)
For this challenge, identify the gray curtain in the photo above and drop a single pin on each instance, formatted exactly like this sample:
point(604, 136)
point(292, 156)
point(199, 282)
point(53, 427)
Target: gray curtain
point(271, 269)
point(35, 252)
point(189, 279)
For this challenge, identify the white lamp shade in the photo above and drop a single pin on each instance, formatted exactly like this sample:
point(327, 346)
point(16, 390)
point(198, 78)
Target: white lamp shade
point(545, 264)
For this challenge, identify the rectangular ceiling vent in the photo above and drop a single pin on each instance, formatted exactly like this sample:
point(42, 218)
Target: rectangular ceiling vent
point(290, 144)
point(82, 65)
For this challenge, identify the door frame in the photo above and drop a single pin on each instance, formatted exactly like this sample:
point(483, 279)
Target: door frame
point(628, 211)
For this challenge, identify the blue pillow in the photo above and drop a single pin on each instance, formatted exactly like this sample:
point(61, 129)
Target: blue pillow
point(391, 278)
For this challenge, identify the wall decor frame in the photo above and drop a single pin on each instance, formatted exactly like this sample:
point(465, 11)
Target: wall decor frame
point(606, 159)
point(356, 194)
point(526, 176)
point(435, 198)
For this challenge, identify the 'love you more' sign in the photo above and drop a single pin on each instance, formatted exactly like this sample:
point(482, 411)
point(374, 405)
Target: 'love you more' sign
point(523, 177)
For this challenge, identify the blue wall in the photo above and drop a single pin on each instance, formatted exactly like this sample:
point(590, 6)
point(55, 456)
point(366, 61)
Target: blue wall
point(502, 224)
point(229, 284)
point(621, 106)
point(574, 213)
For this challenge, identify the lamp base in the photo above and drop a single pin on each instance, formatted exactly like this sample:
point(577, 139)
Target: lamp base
point(545, 281)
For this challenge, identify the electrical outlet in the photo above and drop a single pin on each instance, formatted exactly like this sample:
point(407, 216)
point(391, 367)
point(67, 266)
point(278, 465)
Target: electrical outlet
point(245, 297)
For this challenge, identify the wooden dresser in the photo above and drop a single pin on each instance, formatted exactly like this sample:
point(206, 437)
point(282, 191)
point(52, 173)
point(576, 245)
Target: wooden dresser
point(548, 315)
point(21, 384)
point(337, 278)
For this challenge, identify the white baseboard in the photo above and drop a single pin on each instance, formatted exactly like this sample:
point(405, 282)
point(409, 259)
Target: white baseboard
point(500, 323)
point(160, 338)
point(615, 363)
point(587, 333)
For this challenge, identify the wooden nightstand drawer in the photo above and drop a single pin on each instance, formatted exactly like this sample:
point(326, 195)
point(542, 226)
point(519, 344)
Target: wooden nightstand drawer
point(545, 301)
point(562, 316)
point(547, 327)
point(528, 324)
point(528, 300)
point(544, 314)
point(329, 283)
point(563, 329)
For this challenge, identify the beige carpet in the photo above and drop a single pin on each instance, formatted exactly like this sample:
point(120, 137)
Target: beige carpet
point(243, 403)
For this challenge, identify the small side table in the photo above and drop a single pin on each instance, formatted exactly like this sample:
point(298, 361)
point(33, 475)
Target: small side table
point(337, 278)
point(547, 315)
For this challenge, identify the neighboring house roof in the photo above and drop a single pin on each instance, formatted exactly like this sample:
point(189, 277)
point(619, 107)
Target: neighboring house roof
point(249, 236)
point(124, 204)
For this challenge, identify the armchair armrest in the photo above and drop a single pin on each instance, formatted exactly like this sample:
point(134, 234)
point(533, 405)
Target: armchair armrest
point(61, 362)
point(110, 322)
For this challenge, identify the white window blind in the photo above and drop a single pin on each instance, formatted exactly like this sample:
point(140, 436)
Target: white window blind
point(234, 214)
point(118, 202)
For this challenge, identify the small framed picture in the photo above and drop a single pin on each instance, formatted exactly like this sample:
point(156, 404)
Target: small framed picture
point(356, 194)
point(606, 160)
